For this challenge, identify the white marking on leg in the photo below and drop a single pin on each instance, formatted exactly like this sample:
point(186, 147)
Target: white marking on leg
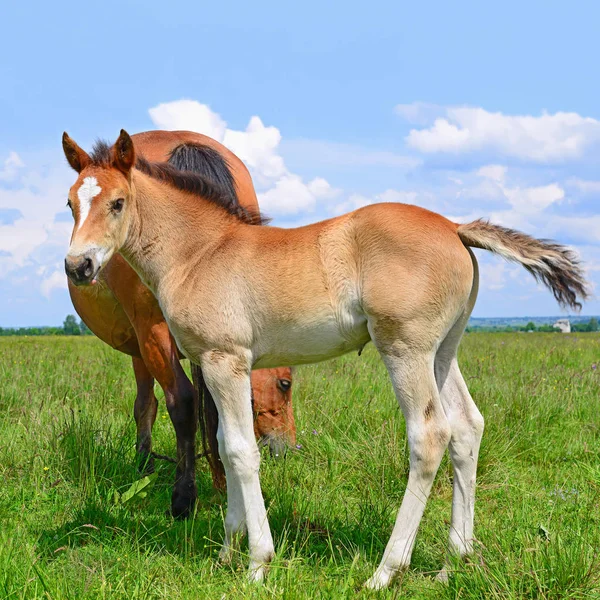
point(231, 390)
point(86, 193)
point(235, 521)
point(466, 423)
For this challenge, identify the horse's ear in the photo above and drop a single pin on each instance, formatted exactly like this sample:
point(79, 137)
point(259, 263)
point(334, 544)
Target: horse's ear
point(124, 153)
point(78, 159)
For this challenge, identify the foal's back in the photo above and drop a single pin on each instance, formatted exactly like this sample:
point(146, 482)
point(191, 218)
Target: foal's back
point(397, 265)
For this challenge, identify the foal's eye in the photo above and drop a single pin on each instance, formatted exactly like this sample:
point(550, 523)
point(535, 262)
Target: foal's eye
point(117, 205)
point(284, 384)
point(69, 204)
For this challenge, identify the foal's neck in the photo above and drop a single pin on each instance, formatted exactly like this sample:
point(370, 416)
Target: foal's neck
point(168, 227)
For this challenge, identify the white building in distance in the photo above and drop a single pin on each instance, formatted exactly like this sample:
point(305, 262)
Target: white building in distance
point(564, 325)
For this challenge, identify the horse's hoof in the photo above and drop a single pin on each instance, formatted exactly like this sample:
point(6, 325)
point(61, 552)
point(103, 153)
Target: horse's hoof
point(145, 464)
point(182, 504)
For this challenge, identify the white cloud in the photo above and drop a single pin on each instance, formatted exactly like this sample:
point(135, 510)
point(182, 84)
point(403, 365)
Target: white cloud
point(528, 200)
point(585, 186)
point(12, 165)
point(533, 200)
point(188, 114)
point(545, 138)
point(494, 172)
point(291, 195)
point(283, 192)
point(56, 281)
point(35, 240)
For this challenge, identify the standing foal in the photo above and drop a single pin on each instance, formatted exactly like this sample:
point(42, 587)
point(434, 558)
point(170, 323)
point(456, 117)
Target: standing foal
point(123, 313)
point(395, 274)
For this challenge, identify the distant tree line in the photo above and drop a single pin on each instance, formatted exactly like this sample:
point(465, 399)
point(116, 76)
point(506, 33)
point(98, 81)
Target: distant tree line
point(583, 327)
point(70, 327)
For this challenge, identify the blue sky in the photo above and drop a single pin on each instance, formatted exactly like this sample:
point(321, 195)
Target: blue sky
point(468, 108)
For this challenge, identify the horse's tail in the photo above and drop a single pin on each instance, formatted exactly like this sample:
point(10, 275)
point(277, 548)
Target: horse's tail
point(208, 162)
point(554, 265)
point(209, 422)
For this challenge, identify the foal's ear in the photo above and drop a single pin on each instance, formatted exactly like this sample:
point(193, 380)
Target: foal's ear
point(78, 159)
point(124, 153)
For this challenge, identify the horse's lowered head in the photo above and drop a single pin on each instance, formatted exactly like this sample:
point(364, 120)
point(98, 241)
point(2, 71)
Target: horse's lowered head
point(274, 424)
point(99, 201)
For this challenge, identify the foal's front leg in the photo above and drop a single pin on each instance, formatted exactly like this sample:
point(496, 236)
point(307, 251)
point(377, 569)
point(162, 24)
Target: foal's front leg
point(227, 376)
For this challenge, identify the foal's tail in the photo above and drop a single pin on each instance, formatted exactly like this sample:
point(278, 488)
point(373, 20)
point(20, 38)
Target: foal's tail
point(209, 422)
point(555, 265)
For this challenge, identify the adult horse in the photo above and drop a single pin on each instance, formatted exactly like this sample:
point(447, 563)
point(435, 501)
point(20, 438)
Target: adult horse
point(398, 275)
point(124, 313)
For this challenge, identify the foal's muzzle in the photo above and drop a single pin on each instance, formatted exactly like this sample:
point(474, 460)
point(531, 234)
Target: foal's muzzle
point(81, 270)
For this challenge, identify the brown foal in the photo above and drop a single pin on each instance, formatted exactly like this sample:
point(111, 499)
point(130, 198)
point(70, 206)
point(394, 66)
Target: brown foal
point(124, 313)
point(394, 274)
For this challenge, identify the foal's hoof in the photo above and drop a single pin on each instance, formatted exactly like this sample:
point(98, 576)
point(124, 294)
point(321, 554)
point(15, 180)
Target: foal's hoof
point(442, 576)
point(381, 579)
point(183, 502)
point(256, 574)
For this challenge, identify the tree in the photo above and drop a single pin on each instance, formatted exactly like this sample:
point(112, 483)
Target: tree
point(85, 330)
point(70, 326)
point(593, 324)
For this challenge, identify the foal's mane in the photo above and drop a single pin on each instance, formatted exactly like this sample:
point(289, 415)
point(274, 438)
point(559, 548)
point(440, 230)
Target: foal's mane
point(198, 184)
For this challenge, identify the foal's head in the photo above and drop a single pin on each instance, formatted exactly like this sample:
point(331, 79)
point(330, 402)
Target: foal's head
point(274, 423)
point(99, 201)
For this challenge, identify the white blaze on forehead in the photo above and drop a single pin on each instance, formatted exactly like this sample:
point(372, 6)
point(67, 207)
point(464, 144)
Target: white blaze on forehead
point(86, 193)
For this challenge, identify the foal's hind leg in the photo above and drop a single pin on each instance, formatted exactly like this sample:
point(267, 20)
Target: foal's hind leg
point(144, 411)
point(466, 424)
point(428, 434)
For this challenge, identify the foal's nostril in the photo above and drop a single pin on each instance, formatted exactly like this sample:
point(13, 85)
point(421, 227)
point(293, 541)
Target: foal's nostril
point(79, 270)
point(87, 268)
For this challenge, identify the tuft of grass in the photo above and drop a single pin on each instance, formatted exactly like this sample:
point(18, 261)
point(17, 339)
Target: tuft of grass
point(67, 450)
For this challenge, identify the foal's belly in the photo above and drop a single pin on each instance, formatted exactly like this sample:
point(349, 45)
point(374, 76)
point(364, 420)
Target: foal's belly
point(297, 345)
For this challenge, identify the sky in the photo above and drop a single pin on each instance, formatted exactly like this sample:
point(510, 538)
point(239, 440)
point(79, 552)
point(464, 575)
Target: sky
point(470, 109)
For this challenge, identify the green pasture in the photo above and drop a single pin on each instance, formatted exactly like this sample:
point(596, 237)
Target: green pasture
point(67, 442)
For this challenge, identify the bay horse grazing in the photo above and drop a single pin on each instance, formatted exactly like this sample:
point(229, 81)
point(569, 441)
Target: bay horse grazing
point(124, 313)
point(398, 275)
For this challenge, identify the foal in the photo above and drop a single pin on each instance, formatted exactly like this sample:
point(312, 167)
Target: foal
point(398, 275)
point(123, 313)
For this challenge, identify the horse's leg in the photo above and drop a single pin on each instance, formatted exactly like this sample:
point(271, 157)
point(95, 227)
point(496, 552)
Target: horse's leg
point(235, 519)
point(466, 424)
point(180, 398)
point(159, 353)
point(228, 379)
point(144, 411)
point(428, 434)
point(161, 356)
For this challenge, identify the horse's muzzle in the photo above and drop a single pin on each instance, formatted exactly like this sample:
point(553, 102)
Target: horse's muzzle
point(276, 442)
point(81, 270)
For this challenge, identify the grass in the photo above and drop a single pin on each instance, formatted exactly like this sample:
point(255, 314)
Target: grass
point(67, 445)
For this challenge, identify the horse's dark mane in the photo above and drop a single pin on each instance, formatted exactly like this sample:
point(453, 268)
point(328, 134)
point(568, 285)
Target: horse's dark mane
point(193, 168)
